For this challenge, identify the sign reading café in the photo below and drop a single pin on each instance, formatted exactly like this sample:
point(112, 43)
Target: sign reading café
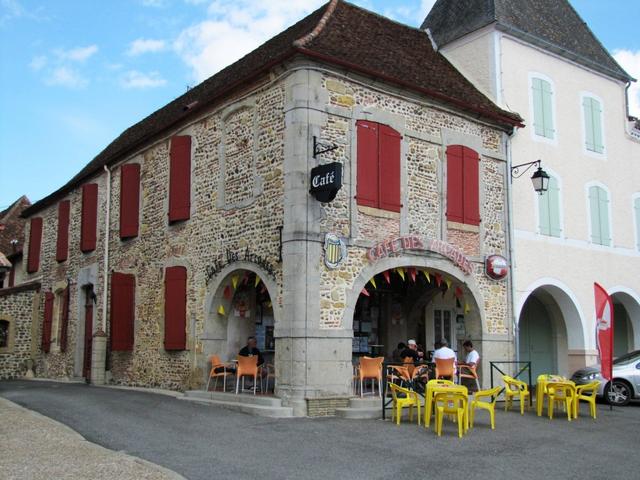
point(394, 246)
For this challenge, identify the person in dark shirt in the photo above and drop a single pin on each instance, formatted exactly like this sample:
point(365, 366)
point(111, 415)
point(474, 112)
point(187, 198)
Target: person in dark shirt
point(251, 349)
point(411, 351)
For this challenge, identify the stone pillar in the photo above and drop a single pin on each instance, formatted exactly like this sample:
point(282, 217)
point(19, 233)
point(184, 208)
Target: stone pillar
point(98, 358)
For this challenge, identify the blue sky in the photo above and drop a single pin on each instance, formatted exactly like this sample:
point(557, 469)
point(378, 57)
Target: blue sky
point(75, 73)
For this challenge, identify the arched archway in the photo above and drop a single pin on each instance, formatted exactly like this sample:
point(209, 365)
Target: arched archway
point(551, 332)
point(242, 302)
point(626, 314)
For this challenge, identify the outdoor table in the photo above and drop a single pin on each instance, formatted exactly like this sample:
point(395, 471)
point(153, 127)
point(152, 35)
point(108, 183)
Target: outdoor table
point(541, 388)
point(430, 394)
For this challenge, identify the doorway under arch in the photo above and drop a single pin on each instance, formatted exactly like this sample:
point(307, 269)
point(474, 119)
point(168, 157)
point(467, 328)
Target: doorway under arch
point(626, 314)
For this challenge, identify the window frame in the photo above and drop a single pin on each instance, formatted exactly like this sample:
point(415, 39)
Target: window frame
point(583, 126)
point(554, 119)
point(609, 213)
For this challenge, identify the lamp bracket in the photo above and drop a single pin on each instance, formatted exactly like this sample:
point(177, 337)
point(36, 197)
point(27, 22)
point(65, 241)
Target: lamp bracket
point(319, 148)
point(515, 170)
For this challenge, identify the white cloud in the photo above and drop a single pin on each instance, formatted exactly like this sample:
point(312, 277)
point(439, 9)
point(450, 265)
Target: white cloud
point(78, 54)
point(145, 45)
point(66, 77)
point(630, 61)
point(38, 63)
point(136, 79)
point(235, 28)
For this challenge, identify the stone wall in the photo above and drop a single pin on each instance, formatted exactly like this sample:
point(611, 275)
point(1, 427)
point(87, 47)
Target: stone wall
point(19, 307)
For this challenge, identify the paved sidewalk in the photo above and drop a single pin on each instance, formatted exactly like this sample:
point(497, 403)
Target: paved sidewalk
point(36, 447)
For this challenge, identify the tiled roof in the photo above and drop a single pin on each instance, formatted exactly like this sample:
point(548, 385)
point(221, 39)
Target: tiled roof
point(338, 33)
point(553, 25)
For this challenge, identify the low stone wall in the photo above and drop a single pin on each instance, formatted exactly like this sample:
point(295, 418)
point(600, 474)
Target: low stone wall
point(326, 406)
point(19, 307)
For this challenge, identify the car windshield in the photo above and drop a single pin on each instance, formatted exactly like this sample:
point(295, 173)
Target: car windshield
point(627, 358)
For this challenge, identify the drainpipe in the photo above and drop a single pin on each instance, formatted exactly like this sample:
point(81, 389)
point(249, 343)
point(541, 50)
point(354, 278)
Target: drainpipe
point(511, 236)
point(99, 348)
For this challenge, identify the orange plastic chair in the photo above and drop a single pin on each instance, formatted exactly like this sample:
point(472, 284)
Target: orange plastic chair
point(371, 369)
point(226, 371)
point(468, 371)
point(444, 368)
point(247, 367)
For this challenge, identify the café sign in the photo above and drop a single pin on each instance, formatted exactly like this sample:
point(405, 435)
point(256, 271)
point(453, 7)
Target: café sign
point(397, 245)
point(326, 181)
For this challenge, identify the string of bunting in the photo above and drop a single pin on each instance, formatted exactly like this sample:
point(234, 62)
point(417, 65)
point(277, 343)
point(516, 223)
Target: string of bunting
point(227, 293)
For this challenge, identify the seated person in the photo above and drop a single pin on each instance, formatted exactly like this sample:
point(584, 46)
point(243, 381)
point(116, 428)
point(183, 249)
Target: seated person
point(411, 351)
point(250, 349)
point(444, 353)
point(396, 355)
point(473, 356)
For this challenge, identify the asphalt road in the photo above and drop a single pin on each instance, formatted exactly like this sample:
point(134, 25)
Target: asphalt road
point(205, 442)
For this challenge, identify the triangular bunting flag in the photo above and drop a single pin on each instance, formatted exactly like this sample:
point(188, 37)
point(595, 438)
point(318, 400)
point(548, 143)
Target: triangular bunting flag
point(365, 292)
point(257, 281)
point(221, 310)
point(448, 281)
point(426, 275)
point(269, 304)
point(234, 281)
point(385, 274)
point(412, 272)
point(227, 292)
point(458, 292)
point(438, 279)
point(467, 308)
point(373, 282)
point(400, 272)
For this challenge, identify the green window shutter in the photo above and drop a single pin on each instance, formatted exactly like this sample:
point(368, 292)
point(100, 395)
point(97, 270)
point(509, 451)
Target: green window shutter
point(603, 200)
point(636, 208)
point(596, 111)
point(538, 109)
point(547, 114)
point(588, 124)
point(554, 208)
point(543, 208)
point(594, 207)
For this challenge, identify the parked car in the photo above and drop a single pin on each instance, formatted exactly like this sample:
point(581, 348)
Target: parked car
point(626, 379)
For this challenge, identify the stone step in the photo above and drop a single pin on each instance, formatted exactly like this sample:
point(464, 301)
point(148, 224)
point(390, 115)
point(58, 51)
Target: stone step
point(360, 413)
point(243, 398)
point(251, 409)
point(365, 402)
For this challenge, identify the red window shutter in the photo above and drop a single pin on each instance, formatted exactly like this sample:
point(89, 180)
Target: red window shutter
point(46, 324)
point(123, 294)
point(35, 241)
point(389, 168)
point(367, 171)
point(89, 217)
point(62, 243)
point(180, 178)
point(64, 320)
point(471, 186)
point(455, 184)
point(175, 308)
point(129, 199)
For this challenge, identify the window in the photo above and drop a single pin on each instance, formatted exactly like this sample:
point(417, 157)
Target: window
point(180, 179)
point(123, 294)
point(129, 200)
point(175, 308)
point(636, 213)
point(378, 172)
point(35, 241)
point(549, 210)
point(62, 243)
point(4, 334)
point(463, 189)
point(89, 217)
point(542, 108)
point(592, 113)
point(599, 209)
point(46, 322)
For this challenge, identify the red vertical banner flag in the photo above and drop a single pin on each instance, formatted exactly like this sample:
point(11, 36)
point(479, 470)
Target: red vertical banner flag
point(604, 330)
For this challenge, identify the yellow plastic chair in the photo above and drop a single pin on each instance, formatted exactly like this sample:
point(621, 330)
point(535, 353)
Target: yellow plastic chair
point(431, 384)
point(588, 394)
point(515, 388)
point(411, 399)
point(489, 406)
point(453, 403)
point(561, 392)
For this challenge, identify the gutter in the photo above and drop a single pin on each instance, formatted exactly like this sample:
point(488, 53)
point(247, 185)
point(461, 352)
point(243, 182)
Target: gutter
point(510, 239)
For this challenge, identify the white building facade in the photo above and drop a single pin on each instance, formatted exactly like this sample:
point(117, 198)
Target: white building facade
point(585, 228)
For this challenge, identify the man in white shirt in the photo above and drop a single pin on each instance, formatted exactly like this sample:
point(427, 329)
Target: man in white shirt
point(444, 352)
point(472, 356)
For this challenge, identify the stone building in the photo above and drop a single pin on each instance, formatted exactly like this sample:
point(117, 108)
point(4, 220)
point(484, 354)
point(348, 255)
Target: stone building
point(202, 224)
point(542, 60)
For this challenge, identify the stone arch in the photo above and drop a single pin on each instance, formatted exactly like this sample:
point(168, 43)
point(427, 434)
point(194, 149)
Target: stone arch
point(631, 302)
